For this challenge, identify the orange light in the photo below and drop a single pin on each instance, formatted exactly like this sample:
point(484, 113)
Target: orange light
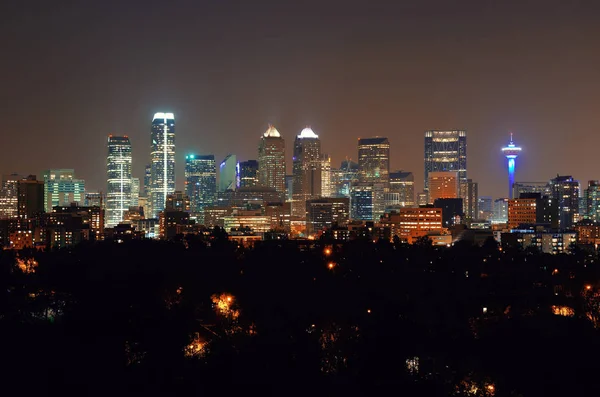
point(331, 265)
point(369, 311)
point(327, 251)
point(588, 287)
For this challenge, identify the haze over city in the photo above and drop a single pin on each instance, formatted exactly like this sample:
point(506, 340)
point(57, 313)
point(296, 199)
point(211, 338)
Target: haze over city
point(76, 72)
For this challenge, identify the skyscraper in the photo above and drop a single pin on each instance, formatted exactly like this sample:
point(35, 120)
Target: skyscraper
point(248, 173)
point(9, 196)
point(147, 181)
point(135, 192)
point(118, 173)
point(511, 152)
point(374, 159)
point(228, 173)
point(162, 173)
point(326, 187)
point(446, 151)
point(443, 184)
point(200, 182)
point(343, 178)
point(62, 188)
point(367, 201)
point(470, 195)
point(271, 160)
point(306, 170)
point(30, 200)
point(592, 201)
point(403, 183)
point(565, 190)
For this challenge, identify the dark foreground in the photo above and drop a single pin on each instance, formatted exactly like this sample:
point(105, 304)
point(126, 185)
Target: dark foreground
point(155, 318)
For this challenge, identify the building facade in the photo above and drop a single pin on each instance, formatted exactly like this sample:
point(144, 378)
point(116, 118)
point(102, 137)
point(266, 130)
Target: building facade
point(403, 183)
point(228, 177)
point(62, 188)
point(200, 182)
point(271, 160)
point(374, 159)
point(9, 196)
point(306, 169)
point(162, 152)
point(118, 179)
point(323, 213)
point(446, 151)
point(443, 184)
point(367, 201)
point(565, 190)
point(248, 173)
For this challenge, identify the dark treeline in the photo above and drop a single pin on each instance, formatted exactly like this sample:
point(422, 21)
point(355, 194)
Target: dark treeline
point(168, 318)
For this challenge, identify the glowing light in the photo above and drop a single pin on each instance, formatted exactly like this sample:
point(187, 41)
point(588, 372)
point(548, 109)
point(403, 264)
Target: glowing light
point(564, 311)
point(331, 265)
point(369, 311)
point(196, 348)
point(327, 251)
point(223, 305)
point(588, 287)
point(271, 132)
point(307, 133)
point(163, 116)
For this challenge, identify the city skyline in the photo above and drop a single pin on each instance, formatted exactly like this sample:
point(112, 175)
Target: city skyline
point(504, 79)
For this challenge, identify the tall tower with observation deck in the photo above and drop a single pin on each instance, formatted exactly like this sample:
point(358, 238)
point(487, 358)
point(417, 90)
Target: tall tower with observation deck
point(511, 152)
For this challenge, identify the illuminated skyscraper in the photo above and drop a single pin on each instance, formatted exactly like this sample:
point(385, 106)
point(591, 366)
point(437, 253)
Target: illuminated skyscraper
point(326, 187)
point(306, 170)
point(511, 152)
point(404, 184)
point(147, 181)
point(228, 173)
point(565, 191)
point(162, 173)
point(271, 160)
point(374, 159)
point(443, 184)
point(446, 151)
point(9, 195)
point(118, 173)
point(200, 183)
point(62, 188)
point(592, 201)
point(135, 192)
point(248, 173)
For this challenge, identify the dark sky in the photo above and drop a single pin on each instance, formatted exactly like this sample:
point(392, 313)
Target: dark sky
point(72, 72)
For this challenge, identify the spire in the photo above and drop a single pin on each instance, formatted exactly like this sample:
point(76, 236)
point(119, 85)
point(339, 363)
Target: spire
point(271, 132)
point(307, 133)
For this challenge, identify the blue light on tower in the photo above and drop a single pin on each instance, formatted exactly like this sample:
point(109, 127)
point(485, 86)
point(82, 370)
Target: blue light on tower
point(511, 152)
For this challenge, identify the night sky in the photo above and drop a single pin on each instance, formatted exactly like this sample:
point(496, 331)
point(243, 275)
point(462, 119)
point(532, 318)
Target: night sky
point(73, 72)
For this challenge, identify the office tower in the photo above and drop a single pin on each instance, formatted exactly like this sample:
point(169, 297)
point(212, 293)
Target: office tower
point(374, 159)
point(422, 198)
point(452, 210)
point(248, 173)
point(326, 187)
point(470, 195)
point(271, 160)
point(147, 181)
point(500, 211)
point(367, 201)
point(591, 198)
point(413, 223)
point(178, 201)
point(30, 198)
point(443, 184)
point(445, 151)
point(403, 183)
point(62, 188)
point(118, 172)
point(511, 152)
point(228, 173)
point(289, 187)
point(565, 190)
point(9, 196)
point(162, 173)
point(532, 208)
point(323, 213)
point(485, 208)
point(135, 192)
point(519, 188)
point(343, 178)
point(306, 170)
point(200, 182)
point(94, 199)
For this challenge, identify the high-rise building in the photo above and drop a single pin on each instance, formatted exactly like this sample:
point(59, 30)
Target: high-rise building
point(445, 151)
point(485, 208)
point(592, 201)
point(443, 184)
point(413, 223)
point(470, 195)
point(94, 199)
point(118, 173)
point(452, 210)
point(62, 188)
point(367, 201)
point(403, 183)
point(178, 201)
point(9, 196)
point(532, 208)
point(519, 188)
point(343, 178)
point(147, 181)
point(511, 152)
point(228, 173)
point(565, 190)
point(135, 192)
point(162, 173)
point(271, 160)
point(306, 170)
point(500, 211)
point(200, 182)
point(374, 159)
point(248, 173)
point(326, 187)
point(322, 213)
point(30, 200)
point(289, 187)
